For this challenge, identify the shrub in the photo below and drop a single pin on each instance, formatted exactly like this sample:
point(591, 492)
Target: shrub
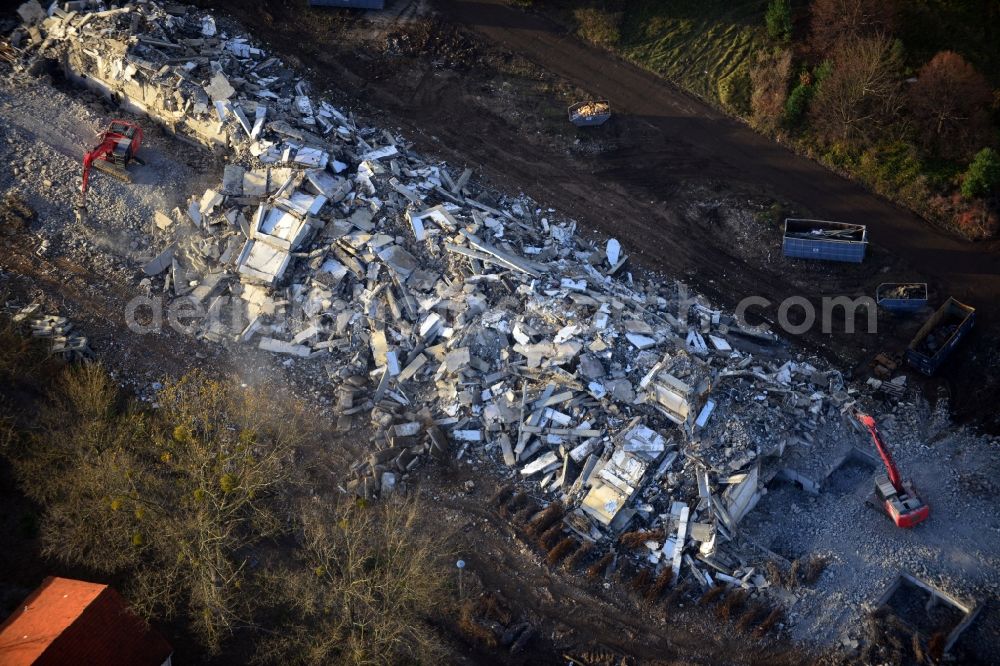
point(642, 580)
point(779, 21)
point(660, 585)
point(814, 568)
point(638, 538)
point(713, 593)
point(749, 616)
point(895, 170)
point(597, 569)
point(797, 103)
point(546, 518)
point(773, 617)
point(550, 536)
point(983, 174)
point(734, 91)
point(598, 26)
point(769, 78)
point(974, 218)
point(733, 602)
point(579, 556)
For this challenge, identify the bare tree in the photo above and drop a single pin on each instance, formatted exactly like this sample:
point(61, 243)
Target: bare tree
point(225, 457)
point(182, 498)
point(836, 21)
point(950, 104)
point(862, 97)
point(769, 80)
point(368, 586)
point(78, 464)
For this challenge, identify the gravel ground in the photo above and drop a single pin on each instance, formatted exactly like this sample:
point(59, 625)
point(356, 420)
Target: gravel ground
point(44, 132)
point(957, 549)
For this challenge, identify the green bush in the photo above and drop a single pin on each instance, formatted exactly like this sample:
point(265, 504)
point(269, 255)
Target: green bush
point(734, 91)
point(983, 174)
point(821, 71)
point(779, 21)
point(797, 103)
point(841, 155)
point(895, 170)
point(891, 165)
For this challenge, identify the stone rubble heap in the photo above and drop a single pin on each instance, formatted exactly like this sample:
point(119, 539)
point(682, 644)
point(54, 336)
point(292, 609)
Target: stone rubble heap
point(63, 340)
point(460, 321)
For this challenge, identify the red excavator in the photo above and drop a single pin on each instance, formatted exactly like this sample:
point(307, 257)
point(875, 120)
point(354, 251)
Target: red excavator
point(118, 147)
point(898, 497)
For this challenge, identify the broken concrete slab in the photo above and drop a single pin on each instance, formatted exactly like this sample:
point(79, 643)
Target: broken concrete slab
point(219, 88)
point(161, 262)
point(282, 347)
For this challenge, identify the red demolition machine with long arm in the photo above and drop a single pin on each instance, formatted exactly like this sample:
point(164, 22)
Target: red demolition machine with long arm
point(898, 497)
point(117, 148)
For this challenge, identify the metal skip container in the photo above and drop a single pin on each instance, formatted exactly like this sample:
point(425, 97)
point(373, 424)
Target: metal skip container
point(901, 297)
point(825, 240)
point(590, 114)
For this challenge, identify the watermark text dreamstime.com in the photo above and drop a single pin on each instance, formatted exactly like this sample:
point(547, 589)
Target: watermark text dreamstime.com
point(804, 312)
point(795, 315)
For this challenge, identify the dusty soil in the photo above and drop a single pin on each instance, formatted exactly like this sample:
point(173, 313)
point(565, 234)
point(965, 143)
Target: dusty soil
point(662, 175)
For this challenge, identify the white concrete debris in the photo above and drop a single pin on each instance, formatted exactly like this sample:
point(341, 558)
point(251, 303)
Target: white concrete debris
point(452, 316)
point(614, 250)
point(63, 340)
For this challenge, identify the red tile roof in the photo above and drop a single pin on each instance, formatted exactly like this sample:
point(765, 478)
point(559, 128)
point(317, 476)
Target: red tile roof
point(72, 621)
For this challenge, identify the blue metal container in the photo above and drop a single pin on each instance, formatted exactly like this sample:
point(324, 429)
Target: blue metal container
point(355, 4)
point(825, 240)
point(590, 114)
point(904, 297)
point(937, 338)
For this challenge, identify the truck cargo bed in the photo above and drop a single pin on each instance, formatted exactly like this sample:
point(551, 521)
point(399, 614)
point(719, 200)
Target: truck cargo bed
point(937, 338)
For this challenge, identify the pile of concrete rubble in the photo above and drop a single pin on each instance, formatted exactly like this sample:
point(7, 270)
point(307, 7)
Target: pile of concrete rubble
point(459, 321)
point(63, 340)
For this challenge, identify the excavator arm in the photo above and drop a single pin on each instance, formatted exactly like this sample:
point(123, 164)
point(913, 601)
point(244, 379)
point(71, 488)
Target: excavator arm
point(91, 157)
point(898, 498)
point(890, 466)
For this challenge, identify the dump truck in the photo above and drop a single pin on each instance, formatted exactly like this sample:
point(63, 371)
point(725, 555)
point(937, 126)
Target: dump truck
point(590, 113)
point(903, 297)
point(825, 240)
point(938, 337)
